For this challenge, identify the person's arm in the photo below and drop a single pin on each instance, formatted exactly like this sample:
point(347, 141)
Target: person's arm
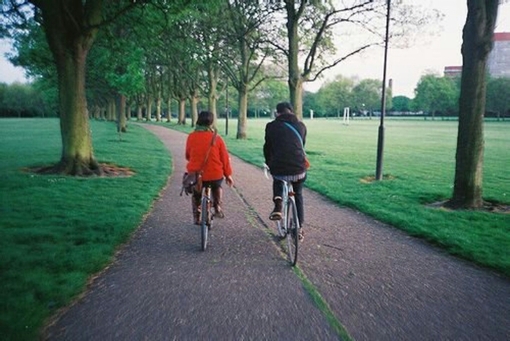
point(267, 147)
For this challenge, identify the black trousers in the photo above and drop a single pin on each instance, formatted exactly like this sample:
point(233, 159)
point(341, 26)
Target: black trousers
point(298, 195)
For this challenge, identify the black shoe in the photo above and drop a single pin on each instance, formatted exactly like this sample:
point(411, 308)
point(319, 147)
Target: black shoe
point(277, 211)
point(275, 215)
point(218, 213)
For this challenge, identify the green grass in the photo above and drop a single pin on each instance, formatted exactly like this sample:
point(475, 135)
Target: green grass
point(419, 158)
point(56, 231)
point(323, 306)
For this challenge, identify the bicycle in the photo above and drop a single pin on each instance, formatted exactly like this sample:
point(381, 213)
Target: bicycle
point(288, 227)
point(206, 216)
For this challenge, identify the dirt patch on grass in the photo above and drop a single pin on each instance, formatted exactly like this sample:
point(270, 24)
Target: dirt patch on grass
point(488, 206)
point(371, 178)
point(110, 170)
point(106, 170)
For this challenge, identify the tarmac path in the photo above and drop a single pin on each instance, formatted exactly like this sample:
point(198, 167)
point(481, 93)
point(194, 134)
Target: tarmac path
point(380, 283)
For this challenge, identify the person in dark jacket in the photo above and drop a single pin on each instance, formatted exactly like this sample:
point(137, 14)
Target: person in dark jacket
point(284, 154)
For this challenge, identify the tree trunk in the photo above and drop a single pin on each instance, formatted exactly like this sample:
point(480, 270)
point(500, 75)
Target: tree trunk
point(121, 114)
point(129, 111)
point(148, 114)
point(243, 113)
point(296, 96)
point(182, 111)
point(77, 154)
point(111, 111)
point(212, 74)
point(193, 101)
point(169, 106)
point(477, 43)
point(295, 79)
point(139, 115)
point(158, 109)
point(97, 112)
point(70, 40)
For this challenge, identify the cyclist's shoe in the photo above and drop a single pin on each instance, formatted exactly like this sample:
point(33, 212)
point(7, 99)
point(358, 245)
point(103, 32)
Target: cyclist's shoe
point(277, 211)
point(301, 235)
point(218, 212)
point(196, 217)
point(217, 193)
point(275, 215)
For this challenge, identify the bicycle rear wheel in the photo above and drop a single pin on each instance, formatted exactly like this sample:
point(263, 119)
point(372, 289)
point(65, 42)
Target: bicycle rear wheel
point(292, 232)
point(204, 225)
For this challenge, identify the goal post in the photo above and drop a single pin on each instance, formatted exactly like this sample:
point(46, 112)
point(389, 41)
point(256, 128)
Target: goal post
point(346, 116)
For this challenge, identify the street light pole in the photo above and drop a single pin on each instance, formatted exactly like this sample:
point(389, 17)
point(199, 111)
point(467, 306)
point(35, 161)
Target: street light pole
point(380, 139)
point(226, 109)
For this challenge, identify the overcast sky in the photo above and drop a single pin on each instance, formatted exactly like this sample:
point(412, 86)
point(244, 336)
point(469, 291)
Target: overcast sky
point(405, 66)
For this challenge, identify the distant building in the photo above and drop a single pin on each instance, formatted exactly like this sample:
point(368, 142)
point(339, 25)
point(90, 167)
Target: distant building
point(452, 71)
point(499, 58)
point(498, 64)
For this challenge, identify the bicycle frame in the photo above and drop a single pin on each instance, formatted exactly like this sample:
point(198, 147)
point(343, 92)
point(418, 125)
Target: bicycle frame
point(206, 216)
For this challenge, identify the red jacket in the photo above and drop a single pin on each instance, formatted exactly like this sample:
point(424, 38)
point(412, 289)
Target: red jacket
point(218, 163)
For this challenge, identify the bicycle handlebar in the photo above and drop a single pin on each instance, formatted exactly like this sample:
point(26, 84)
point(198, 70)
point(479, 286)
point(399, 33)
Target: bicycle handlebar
point(266, 171)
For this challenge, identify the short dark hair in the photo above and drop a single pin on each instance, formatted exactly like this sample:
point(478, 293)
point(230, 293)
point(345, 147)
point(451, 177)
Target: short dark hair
point(284, 107)
point(205, 118)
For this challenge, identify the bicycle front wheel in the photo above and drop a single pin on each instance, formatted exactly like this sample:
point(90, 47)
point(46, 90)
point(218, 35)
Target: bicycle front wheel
point(204, 222)
point(292, 223)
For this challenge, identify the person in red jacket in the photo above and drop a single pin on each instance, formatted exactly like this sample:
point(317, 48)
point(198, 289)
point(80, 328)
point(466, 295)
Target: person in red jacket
point(217, 166)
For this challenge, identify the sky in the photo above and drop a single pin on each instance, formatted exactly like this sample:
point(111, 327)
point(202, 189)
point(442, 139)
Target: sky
point(404, 66)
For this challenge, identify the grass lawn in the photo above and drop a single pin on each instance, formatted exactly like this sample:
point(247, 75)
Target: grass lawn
point(56, 231)
point(419, 160)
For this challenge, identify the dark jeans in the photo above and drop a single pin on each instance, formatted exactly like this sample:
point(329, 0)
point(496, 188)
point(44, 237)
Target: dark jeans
point(298, 195)
point(197, 196)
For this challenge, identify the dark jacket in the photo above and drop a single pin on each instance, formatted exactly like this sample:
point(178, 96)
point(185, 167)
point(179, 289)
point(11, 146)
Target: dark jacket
point(283, 152)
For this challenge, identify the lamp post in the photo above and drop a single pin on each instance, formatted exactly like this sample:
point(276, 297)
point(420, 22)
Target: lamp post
point(380, 139)
point(226, 109)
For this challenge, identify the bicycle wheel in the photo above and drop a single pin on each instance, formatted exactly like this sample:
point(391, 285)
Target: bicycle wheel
point(292, 223)
point(204, 228)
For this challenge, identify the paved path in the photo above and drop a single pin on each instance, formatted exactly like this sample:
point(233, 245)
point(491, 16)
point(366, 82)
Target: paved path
point(380, 283)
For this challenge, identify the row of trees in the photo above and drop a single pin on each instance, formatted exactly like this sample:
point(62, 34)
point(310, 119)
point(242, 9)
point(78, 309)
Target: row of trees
point(156, 51)
point(435, 96)
point(439, 96)
point(25, 100)
point(153, 50)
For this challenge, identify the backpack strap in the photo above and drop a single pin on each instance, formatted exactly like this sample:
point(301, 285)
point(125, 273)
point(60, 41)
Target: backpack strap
point(297, 134)
point(208, 151)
